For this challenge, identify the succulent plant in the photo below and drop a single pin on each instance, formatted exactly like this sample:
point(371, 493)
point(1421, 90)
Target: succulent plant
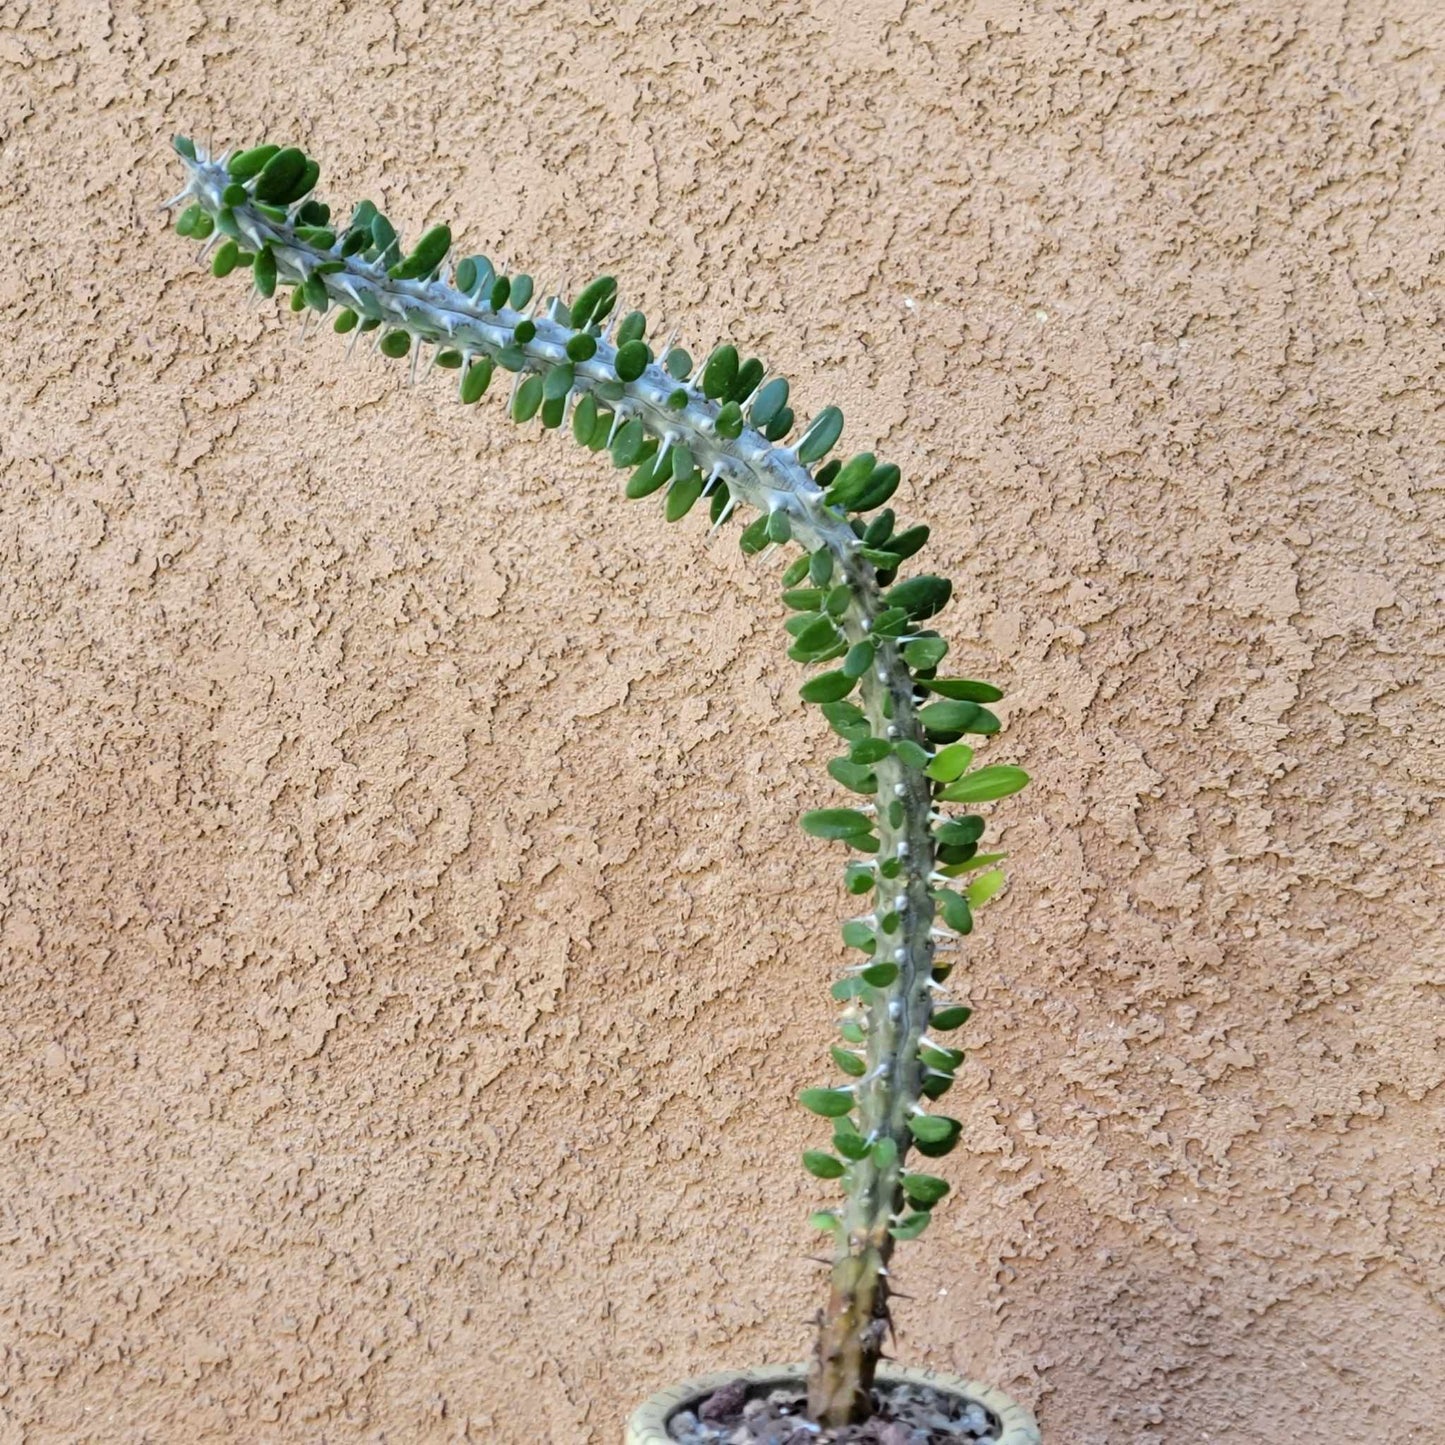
point(718, 434)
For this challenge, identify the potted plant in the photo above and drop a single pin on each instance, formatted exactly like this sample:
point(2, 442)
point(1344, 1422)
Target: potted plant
point(716, 434)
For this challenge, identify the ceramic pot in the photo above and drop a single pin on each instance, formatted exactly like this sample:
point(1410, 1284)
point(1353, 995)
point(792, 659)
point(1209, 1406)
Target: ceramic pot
point(648, 1425)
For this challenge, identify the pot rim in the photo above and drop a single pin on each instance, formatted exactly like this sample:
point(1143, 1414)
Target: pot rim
point(648, 1425)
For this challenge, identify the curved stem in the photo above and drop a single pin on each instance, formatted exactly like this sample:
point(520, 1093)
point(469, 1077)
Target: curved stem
point(770, 478)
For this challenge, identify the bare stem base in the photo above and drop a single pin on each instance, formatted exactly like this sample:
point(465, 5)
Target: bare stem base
point(850, 1340)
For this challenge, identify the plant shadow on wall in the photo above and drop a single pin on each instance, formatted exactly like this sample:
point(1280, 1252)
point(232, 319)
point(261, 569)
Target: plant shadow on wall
point(716, 434)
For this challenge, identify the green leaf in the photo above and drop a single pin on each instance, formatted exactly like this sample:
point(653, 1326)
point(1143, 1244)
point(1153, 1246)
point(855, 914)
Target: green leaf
point(845, 717)
point(859, 659)
point(829, 687)
point(924, 1189)
point(943, 1059)
point(850, 1145)
point(954, 909)
point(314, 290)
point(853, 775)
point(581, 347)
point(591, 298)
point(628, 443)
point(795, 571)
point(885, 1153)
point(883, 561)
point(821, 435)
point(524, 331)
point(910, 1227)
point(779, 526)
point(871, 750)
point(770, 400)
point(850, 480)
point(647, 479)
point(682, 496)
point(948, 716)
point(584, 418)
point(346, 320)
point(921, 597)
point(880, 975)
point(960, 832)
point(821, 1164)
point(835, 823)
point(803, 599)
point(558, 381)
point(226, 259)
point(729, 421)
point(818, 635)
point(527, 399)
point(963, 689)
point(858, 879)
point(852, 1031)
point(632, 327)
point(987, 886)
point(933, 1128)
point(826, 1220)
point(395, 344)
point(426, 255)
point(910, 754)
point(500, 292)
point(974, 864)
point(720, 372)
point(521, 290)
point(750, 373)
point(754, 536)
point(985, 785)
point(632, 360)
point(848, 1062)
point(780, 425)
point(879, 487)
point(280, 176)
point(948, 763)
point(263, 272)
point(184, 146)
point(830, 1103)
point(948, 1018)
point(677, 363)
point(858, 935)
point(474, 383)
point(846, 988)
point(838, 599)
point(892, 622)
point(909, 543)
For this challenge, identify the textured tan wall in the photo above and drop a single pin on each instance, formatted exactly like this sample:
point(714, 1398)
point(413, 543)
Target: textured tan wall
point(409, 952)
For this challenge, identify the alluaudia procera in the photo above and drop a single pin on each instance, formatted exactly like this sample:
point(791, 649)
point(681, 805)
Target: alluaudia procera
point(718, 431)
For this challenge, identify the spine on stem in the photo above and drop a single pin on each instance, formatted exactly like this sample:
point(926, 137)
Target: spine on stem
point(718, 432)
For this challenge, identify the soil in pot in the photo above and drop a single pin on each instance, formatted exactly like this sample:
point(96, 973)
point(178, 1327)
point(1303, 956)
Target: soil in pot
point(739, 1414)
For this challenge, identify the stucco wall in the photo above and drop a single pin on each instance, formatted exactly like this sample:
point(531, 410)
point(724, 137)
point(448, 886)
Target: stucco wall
point(409, 950)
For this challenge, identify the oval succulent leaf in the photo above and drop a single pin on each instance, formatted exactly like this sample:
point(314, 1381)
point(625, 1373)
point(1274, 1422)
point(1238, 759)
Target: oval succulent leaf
point(821, 436)
point(822, 1165)
point(836, 823)
point(985, 785)
point(830, 687)
point(924, 1190)
point(828, 1103)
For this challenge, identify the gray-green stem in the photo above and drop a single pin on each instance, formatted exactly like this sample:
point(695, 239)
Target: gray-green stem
point(768, 477)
